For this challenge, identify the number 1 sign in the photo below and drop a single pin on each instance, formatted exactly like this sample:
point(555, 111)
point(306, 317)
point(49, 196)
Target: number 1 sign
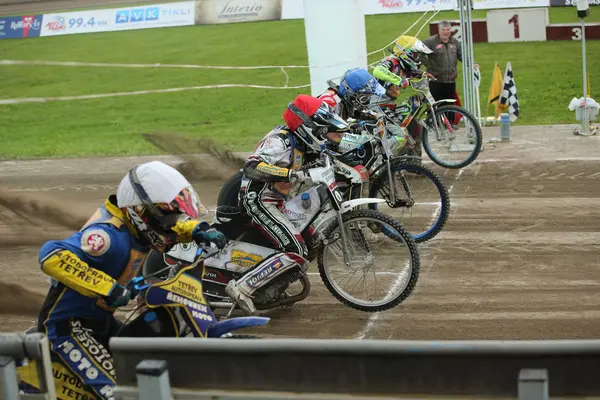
point(517, 25)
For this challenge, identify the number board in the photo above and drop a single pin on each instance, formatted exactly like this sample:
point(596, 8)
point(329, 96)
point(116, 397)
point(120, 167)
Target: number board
point(479, 28)
point(572, 31)
point(517, 25)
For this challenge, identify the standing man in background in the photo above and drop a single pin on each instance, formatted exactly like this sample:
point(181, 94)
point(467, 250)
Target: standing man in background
point(442, 62)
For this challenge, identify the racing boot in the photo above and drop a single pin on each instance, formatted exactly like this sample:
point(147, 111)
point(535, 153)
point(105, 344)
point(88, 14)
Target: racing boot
point(276, 265)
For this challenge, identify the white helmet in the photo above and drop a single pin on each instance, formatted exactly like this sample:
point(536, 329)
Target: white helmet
point(153, 197)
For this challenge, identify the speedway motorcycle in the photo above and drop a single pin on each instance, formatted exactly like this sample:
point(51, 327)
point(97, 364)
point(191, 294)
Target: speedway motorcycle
point(442, 124)
point(369, 165)
point(171, 307)
point(338, 234)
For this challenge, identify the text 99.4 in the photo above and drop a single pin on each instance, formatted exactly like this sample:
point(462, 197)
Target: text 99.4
point(80, 22)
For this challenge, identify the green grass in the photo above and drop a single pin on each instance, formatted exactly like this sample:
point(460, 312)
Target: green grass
point(548, 75)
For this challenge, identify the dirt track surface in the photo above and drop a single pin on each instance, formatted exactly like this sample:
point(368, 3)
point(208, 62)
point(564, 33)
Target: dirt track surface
point(518, 258)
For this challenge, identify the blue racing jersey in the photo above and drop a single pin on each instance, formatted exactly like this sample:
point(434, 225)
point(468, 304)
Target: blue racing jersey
point(88, 265)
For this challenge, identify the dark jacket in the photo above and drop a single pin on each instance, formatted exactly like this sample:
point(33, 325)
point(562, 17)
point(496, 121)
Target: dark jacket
point(442, 62)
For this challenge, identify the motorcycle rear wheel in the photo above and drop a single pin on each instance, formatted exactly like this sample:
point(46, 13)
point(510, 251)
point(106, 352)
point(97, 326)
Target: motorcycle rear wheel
point(356, 224)
point(229, 191)
point(419, 205)
point(451, 140)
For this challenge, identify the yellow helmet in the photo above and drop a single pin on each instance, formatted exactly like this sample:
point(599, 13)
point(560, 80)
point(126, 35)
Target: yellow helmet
point(407, 49)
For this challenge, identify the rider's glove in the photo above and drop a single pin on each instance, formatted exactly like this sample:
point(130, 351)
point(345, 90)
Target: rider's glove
point(403, 83)
point(357, 128)
point(299, 176)
point(119, 296)
point(203, 233)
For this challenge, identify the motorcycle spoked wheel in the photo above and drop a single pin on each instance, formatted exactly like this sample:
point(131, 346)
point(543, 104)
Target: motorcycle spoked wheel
point(429, 137)
point(397, 233)
point(380, 188)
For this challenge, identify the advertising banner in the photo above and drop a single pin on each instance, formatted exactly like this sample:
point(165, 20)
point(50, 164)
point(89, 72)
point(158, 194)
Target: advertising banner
point(155, 16)
point(23, 26)
point(119, 19)
point(229, 11)
point(567, 3)
point(69, 23)
point(374, 7)
point(293, 9)
point(492, 4)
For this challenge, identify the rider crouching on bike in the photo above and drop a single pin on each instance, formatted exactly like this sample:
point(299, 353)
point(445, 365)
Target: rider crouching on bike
point(395, 72)
point(352, 97)
point(356, 97)
point(154, 207)
point(270, 174)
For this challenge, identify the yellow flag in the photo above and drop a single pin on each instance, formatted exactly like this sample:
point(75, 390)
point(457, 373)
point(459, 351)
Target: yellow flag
point(496, 90)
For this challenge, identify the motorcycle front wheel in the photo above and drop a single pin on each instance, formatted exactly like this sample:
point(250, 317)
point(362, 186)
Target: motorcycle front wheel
point(457, 140)
point(377, 245)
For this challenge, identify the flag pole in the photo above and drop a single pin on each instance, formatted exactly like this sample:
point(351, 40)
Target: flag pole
point(478, 100)
point(466, 25)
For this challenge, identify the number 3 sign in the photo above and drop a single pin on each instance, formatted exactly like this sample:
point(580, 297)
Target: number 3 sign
point(517, 25)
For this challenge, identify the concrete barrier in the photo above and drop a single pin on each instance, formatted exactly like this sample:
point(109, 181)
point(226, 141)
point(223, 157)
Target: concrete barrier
point(465, 368)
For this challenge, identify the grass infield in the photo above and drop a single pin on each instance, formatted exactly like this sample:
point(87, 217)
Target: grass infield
point(548, 76)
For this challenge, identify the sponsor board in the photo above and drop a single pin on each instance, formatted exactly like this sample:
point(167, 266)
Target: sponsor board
point(568, 3)
point(374, 7)
point(155, 16)
point(294, 9)
point(492, 4)
point(230, 11)
point(119, 19)
point(22, 26)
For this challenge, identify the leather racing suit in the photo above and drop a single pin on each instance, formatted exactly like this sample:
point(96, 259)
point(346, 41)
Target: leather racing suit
point(88, 269)
point(266, 183)
point(347, 141)
point(389, 72)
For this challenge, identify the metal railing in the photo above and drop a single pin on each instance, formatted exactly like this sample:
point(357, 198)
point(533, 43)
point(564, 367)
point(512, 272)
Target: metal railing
point(246, 369)
point(15, 347)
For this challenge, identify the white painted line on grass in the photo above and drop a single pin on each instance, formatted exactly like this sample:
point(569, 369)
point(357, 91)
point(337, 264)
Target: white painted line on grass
point(140, 92)
point(126, 65)
point(374, 318)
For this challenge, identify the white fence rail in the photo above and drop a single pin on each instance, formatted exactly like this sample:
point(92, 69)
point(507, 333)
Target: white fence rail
point(335, 368)
point(15, 348)
point(187, 368)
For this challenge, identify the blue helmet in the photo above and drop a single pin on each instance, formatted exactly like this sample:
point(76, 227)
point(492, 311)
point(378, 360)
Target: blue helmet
point(358, 81)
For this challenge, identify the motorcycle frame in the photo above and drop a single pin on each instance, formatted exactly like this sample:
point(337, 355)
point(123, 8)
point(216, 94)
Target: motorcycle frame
point(426, 105)
point(217, 328)
point(319, 221)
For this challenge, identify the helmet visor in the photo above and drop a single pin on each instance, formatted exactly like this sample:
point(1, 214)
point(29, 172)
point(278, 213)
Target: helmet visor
point(333, 122)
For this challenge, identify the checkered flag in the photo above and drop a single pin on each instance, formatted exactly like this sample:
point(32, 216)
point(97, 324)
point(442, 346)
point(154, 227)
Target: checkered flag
point(509, 97)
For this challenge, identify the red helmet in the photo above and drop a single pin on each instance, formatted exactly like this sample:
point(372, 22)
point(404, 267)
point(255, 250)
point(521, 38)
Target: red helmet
point(311, 118)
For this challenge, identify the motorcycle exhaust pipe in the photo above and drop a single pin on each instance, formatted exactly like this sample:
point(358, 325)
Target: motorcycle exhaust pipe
point(289, 300)
point(220, 304)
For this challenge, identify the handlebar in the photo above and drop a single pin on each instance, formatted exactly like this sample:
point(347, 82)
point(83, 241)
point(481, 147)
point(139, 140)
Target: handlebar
point(140, 283)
